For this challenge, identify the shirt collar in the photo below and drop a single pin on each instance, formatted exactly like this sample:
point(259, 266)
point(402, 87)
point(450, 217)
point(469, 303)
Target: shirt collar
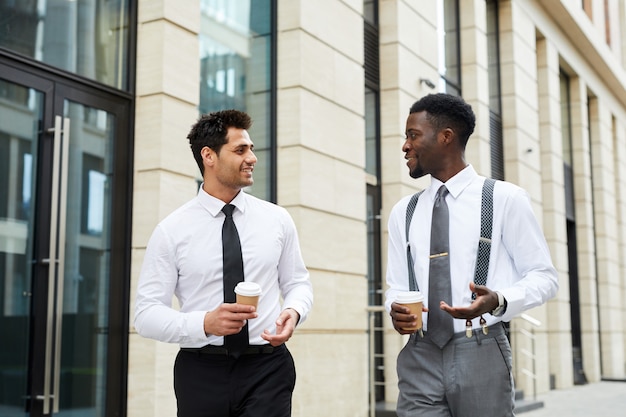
point(456, 184)
point(214, 205)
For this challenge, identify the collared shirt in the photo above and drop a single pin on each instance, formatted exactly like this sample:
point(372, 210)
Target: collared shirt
point(520, 264)
point(184, 259)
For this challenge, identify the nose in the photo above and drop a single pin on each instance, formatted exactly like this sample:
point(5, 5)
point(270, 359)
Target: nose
point(251, 158)
point(405, 146)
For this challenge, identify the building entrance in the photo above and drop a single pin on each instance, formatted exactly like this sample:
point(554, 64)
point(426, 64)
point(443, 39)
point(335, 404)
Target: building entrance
point(64, 210)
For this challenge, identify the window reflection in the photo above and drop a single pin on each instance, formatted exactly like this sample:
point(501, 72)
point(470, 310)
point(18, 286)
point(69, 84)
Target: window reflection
point(87, 37)
point(449, 40)
point(235, 71)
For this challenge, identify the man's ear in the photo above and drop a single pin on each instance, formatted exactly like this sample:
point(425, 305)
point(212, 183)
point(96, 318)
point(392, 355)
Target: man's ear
point(447, 136)
point(208, 156)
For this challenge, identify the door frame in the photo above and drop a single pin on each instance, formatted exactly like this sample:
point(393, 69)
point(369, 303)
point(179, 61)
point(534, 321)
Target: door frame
point(58, 86)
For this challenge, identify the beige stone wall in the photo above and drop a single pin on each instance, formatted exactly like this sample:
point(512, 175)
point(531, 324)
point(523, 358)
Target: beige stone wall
point(407, 34)
point(523, 166)
point(609, 281)
point(321, 161)
point(168, 71)
point(558, 322)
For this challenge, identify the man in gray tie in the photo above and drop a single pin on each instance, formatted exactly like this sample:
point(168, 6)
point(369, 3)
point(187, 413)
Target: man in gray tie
point(233, 360)
point(474, 248)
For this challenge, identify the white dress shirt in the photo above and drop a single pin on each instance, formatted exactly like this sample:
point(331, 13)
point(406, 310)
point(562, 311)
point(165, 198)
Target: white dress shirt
point(520, 265)
point(184, 259)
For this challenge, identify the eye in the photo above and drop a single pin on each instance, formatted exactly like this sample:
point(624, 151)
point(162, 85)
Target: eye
point(410, 135)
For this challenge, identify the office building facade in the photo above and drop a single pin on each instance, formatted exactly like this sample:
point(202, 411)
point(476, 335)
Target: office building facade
point(96, 100)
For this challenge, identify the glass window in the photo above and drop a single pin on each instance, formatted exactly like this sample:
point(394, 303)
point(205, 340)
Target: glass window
point(449, 45)
point(566, 132)
point(235, 72)
point(88, 38)
point(370, 11)
point(371, 133)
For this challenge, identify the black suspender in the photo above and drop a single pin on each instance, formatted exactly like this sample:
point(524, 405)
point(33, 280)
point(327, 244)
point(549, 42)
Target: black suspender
point(484, 243)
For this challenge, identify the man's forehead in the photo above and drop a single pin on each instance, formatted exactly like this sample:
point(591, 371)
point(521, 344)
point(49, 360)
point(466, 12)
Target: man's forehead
point(238, 137)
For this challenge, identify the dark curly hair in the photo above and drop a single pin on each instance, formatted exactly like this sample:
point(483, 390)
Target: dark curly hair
point(211, 130)
point(445, 110)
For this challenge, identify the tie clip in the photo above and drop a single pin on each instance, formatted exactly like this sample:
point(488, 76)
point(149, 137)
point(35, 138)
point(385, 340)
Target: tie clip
point(485, 239)
point(438, 255)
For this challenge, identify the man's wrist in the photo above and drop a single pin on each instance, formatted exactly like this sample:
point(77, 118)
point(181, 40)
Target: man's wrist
point(501, 307)
point(294, 314)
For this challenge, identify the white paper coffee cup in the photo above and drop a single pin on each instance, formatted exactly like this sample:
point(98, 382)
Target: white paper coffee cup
point(414, 300)
point(248, 293)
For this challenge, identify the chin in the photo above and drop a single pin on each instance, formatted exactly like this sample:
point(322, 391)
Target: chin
point(416, 174)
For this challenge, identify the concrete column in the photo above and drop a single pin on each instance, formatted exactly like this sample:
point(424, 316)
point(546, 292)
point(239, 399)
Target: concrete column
point(408, 53)
point(523, 166)
point(168, 65)
point(619, 131)
point(475, 81)
point(321, 163)
point(609, 280)
point(553, 196)
point(583, 202)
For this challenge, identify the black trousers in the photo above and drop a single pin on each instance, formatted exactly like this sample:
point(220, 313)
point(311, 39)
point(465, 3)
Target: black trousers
point(259, 385)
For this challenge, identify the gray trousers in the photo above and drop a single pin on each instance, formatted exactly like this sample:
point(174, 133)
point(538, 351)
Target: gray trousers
point(469, 377)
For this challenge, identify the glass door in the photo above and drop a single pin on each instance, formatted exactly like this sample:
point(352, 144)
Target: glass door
point(21, 115)
point(60, 177)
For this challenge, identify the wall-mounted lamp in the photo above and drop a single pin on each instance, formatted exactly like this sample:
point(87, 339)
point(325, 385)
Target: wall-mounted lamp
point(428, 83)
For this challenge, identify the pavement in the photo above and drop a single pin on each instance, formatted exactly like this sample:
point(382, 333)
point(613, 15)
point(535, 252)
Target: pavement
point(597, 399)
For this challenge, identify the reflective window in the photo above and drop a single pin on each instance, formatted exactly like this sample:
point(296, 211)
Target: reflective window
point(235, 72)
point(87, 37)
point(449, 46)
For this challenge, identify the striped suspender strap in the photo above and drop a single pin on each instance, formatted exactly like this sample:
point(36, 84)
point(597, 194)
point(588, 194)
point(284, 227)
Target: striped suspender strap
point(486, 228)
point(409, 215)
point(484, 243)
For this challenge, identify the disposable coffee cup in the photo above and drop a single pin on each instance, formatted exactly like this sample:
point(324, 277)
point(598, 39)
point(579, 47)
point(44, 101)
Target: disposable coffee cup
point(248, 293)
point(414, 301)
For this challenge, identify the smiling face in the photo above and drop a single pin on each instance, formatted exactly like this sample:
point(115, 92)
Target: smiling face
point(230, 170)
point(235, 162)
point(421, 147)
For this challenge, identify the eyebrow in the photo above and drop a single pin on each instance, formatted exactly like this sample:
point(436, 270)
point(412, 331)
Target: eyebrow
point(243, 145)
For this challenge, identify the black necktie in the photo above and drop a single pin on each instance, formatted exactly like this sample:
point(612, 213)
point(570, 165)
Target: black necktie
point(440, 323)
point(233, 273)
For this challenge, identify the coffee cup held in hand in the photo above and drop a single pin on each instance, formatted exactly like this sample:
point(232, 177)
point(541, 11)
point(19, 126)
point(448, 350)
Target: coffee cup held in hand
point(414, 301)
point(248, 293)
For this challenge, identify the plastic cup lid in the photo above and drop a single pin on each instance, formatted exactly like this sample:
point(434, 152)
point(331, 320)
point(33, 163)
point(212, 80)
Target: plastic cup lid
point(409, 297)
point(249, 289)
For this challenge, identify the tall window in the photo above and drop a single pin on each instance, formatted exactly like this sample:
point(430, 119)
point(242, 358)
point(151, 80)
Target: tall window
point(495, 100)
point(237, 67)
point(570, 219)
point(373, 186)
point(449, 42)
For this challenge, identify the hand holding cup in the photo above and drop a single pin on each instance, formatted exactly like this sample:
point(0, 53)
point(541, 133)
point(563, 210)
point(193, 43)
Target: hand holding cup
point(414, 300)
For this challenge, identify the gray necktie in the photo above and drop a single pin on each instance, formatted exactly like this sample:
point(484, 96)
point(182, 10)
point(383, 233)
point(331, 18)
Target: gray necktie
point(440, 323)
point(233, 273)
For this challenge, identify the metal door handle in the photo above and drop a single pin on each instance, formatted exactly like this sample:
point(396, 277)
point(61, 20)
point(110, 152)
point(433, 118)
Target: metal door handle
point(56, 271)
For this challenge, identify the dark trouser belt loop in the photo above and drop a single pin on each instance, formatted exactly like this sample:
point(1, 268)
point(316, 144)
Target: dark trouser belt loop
point(222, 351)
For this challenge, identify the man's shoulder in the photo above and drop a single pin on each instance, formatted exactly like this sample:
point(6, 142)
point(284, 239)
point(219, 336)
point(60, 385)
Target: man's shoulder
point(506, 188)
point(181, 213)
point(259, 205)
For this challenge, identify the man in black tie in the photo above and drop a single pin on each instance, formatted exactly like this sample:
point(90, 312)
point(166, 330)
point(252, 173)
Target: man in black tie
point(476, 251)
point(233, 359)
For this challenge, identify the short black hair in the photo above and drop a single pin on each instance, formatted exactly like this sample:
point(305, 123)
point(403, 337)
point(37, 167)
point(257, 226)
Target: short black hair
point(446, 110)
point(211, 130)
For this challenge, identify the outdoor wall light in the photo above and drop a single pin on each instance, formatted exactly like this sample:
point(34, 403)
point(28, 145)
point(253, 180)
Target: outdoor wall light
point(428, 83)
